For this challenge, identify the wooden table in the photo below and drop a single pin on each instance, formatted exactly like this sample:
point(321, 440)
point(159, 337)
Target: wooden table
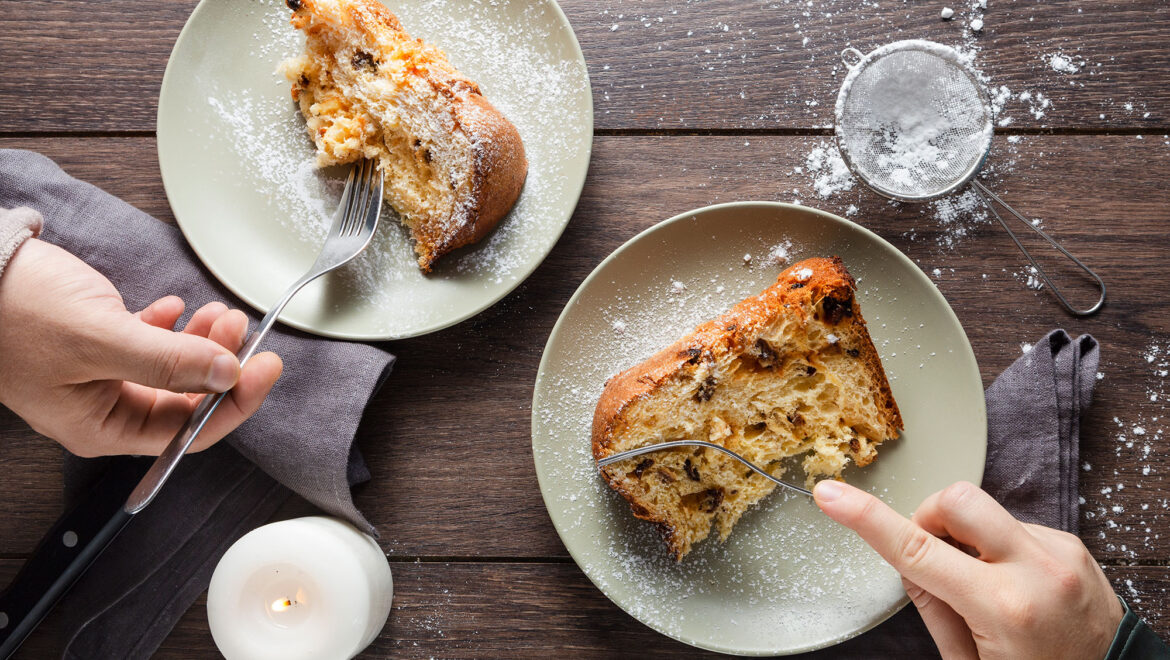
point(696, 103)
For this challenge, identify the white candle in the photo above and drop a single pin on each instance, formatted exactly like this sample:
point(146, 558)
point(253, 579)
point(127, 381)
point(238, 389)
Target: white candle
point(308, 588)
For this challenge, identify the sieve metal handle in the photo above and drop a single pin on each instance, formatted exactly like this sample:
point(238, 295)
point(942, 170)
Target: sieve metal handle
point(854, 57)
point(988, 196)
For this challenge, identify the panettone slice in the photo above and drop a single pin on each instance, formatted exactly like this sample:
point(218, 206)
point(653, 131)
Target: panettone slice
point(789, 372)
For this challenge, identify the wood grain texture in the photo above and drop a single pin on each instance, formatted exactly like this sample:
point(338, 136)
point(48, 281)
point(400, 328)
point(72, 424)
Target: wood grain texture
point(461, 397)
point(655, 64)
point(540, 610)
point(695, 103)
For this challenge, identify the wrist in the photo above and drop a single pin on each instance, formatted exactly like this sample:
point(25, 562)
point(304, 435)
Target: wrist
point(1134, 640)
point(16, 226)
point(20, 327)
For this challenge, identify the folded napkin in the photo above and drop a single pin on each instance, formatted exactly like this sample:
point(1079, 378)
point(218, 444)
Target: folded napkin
point(1033, 437)
point(301, 439)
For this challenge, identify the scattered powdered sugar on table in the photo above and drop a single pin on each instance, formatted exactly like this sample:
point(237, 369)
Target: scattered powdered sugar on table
point(1062, 63)
point(830, 173)
point(1133, 532)
point(958, 215)
point(1030, 277)
point(269, 136)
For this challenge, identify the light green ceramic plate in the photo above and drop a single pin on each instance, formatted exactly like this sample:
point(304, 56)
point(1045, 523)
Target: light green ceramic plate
point(788, 579)
point(238, 168)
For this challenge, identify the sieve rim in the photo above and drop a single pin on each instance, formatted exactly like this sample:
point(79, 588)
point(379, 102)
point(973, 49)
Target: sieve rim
point(951, 56)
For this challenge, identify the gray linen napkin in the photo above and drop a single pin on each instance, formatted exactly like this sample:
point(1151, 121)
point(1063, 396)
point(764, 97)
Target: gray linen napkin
point(1033, 438)
point(302, 438)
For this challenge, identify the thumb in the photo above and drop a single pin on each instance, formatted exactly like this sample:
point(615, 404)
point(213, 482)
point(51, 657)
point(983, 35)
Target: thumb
point(141, 353)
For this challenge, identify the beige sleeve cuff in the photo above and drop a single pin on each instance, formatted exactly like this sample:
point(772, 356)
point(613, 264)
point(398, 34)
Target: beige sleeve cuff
point(16, 226)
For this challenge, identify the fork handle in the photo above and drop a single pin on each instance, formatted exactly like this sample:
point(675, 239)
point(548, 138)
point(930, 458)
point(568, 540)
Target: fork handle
point(64, 554)
point(55, 568)
point(169, 459)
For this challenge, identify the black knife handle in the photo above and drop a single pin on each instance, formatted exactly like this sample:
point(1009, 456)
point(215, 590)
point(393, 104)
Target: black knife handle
point(64, 553)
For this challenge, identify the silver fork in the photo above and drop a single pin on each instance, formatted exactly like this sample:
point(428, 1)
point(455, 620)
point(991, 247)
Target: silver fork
point(48, 575)
point(353, 227)
point(631, 453)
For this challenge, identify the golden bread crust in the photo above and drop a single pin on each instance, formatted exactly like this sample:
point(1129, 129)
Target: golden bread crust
point(500, 171)
point(819, 284)
point(498, 166)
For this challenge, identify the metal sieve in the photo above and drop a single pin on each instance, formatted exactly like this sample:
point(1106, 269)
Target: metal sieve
point(914, 122)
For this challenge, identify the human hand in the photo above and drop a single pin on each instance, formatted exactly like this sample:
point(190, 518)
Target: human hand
point(81, 369)
point(987, 585)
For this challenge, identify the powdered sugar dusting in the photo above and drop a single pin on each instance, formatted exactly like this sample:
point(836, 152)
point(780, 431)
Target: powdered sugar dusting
point(1136, 441)
point(775, 572)
point(780, 254)
point(830, 173)
point(1062, 63)
point(786, 573)
point(910, 148)
point(483, 39)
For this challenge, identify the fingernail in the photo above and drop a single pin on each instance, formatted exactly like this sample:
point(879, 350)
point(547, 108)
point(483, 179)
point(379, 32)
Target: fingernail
point(243, 333)
point(222, 375)
point(828, 491)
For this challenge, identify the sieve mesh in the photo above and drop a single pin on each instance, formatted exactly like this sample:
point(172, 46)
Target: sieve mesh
point(913, 121)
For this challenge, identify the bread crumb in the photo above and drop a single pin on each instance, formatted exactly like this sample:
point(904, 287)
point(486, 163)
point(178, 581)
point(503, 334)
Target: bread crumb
point(779, 254)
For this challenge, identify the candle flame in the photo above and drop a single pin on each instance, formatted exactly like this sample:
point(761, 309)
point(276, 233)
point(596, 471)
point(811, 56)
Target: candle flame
point(281, 605)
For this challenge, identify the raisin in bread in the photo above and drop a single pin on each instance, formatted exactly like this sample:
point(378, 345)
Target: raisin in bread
point(789, 372)
point(454, 166)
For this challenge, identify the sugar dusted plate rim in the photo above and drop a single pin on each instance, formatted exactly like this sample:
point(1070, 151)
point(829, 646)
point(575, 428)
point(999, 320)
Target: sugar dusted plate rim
point(547, 452)
point(462, 296)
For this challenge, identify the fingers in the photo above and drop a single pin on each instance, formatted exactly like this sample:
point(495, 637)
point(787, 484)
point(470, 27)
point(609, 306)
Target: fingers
point(136, 351)
point(922, 558)
point(200, 322)
point(950, 632)
point(163, 313)
point(967, 514)
point(229, 330)
point(256, 380)
point(144, 419)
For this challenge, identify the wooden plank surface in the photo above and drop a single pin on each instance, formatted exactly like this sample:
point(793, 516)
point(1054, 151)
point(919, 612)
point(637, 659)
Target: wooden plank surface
point(656, 64)
point(695, 103)
point(510, 610)
point(418, 442)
